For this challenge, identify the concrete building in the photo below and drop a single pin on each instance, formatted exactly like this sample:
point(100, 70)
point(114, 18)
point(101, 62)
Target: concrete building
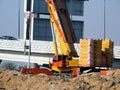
point(40, 22)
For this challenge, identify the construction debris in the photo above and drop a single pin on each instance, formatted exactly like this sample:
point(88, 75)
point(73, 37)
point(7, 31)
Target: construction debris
point(13, 80)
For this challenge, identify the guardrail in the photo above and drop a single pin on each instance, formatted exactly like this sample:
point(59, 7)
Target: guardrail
point(39, 46)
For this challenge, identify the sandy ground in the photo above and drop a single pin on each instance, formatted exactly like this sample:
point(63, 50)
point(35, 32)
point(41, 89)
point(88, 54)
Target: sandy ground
point(13, 80)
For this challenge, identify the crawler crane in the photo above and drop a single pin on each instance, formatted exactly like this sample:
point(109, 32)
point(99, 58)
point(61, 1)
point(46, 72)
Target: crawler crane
point(63, 35)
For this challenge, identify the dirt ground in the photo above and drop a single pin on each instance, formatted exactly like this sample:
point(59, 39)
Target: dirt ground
point(13, 80)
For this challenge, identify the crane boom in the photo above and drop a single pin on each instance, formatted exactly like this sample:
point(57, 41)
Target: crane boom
point(61, 21)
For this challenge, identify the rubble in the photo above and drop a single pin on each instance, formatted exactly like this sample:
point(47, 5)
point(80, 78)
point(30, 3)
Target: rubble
point(14, 80)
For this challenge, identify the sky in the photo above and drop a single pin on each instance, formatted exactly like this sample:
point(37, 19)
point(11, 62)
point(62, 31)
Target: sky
point(93, 19)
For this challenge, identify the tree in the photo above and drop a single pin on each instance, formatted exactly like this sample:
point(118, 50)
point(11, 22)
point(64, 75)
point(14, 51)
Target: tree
point(10, 66)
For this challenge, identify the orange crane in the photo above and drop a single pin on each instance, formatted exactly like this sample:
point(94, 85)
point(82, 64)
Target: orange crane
point(67, 60)
point(62, 28)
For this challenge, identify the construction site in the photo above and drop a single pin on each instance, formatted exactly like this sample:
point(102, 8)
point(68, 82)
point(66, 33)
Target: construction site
point(70, 61)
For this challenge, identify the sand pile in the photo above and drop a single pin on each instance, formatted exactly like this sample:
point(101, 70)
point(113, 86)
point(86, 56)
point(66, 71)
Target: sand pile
point(13, 80)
